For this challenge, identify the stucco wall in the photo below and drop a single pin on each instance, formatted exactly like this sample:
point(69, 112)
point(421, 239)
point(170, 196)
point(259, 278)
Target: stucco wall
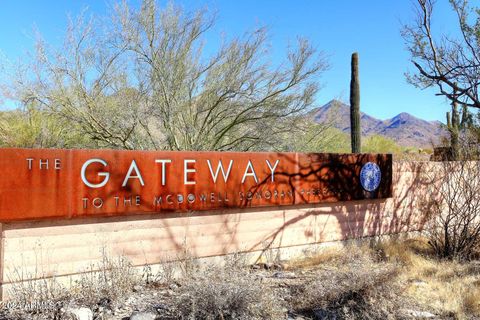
point(66, 247)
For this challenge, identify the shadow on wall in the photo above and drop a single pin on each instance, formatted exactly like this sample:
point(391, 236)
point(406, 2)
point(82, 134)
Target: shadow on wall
point(220, 232)
point(402, 212)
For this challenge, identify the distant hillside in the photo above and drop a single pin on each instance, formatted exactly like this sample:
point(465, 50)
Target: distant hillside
point(404, 129)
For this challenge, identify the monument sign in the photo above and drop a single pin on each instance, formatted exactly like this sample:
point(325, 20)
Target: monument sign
point(49, 183)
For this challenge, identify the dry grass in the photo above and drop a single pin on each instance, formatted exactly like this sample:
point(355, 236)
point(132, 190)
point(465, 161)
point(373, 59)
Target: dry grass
point(226, 293)
point(471, 301)
point(33, 295)
point(449, 289)
point(378, 280)
point(319, 257)
point(103, 284)
point(106, 283)
point(41, 288)
point(444, 286)
point(351, 284)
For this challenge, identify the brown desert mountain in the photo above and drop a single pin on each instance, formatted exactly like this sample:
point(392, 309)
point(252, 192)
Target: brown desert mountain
point(404, 129)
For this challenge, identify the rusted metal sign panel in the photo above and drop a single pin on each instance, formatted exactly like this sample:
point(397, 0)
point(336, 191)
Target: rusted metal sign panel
point(46, 183)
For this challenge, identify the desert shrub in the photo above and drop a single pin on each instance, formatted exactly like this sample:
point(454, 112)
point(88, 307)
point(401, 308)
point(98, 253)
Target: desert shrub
point(453, 209)
point(166, 274)
point(358, 287)
point(24, 291)
point(172, 267)
point(33, 295)
point(380, 144)
point(106, 282)
point(225, 293)
point(187, 262)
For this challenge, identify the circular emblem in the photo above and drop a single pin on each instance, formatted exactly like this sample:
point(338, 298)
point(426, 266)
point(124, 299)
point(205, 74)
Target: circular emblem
point(370, 176)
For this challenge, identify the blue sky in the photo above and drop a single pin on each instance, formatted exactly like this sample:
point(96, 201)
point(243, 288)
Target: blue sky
point(370, 27)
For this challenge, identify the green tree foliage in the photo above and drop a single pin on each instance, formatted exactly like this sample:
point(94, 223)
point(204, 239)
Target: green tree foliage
point(31, 128)
point(380, 144)
point(316, 138)
point(141, 80)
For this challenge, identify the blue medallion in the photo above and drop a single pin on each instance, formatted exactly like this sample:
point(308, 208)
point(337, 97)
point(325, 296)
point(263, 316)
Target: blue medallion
point(370, 176)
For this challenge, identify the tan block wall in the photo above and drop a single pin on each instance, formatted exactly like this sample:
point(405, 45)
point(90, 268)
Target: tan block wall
point(67, 247)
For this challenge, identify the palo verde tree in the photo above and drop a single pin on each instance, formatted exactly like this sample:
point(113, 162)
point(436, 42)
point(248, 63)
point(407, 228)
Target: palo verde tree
point(141, 79)
point(32, 128)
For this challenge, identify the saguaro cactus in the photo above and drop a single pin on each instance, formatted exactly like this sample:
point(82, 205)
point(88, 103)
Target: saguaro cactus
point(355, 129)
point(466, 118)
point(454, 126)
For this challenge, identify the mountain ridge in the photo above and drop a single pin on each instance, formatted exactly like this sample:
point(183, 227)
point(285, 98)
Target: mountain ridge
point(404, 128)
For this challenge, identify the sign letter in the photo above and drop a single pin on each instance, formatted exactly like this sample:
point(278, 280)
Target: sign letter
point(187, 170)
point(101, 174)
point(133, 166)
point(163, 162)
point(29, 160)
point(272, 169)
point(251, 174)
point(220, 167)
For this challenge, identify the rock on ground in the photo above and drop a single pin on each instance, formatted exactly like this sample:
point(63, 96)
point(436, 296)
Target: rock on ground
point(81, 313)
point(143, 316)
point(415, 314)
